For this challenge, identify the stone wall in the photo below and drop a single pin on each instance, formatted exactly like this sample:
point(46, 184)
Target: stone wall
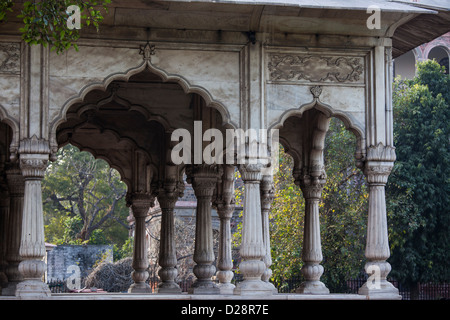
point(61, 259)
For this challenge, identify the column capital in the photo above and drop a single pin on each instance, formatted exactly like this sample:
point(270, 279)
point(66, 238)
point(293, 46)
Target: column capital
point(267, 190)
point(204, 178)
point(140, 203)
point(34, 145)
point(33, 165)
point(251, 172)
point(224, 199)
point(167, 200)
point(379, 163)
point(380, 152)
point(311, 186)
point(224, 209)
point(377, 173)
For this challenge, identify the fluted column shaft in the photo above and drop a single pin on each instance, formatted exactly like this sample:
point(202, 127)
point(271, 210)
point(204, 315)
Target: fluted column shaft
point(16, 184)
point(167, 250)
point(312, 187)
point(267, 197)
point(225, 260)
point(32, 245)
point(377, 242)
point(4, 229)
point(224, 204)
point(252, 245)
point(140, 204)
point(204, 179)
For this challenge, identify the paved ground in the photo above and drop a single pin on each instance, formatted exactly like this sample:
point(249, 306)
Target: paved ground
point(154, 296)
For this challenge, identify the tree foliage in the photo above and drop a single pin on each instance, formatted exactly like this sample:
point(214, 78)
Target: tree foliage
point(418, 188)
point(84, 200)
point(45, 21)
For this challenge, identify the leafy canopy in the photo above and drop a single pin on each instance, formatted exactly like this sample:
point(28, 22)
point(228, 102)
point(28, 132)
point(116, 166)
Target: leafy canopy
point(84, 200)
point(45, 21)
point(418, 188)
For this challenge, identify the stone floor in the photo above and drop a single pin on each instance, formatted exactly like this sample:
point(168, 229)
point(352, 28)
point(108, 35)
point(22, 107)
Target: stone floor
point(186, 297)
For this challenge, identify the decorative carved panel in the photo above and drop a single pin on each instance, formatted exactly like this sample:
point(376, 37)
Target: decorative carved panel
point(308, 68)
point(9, 58)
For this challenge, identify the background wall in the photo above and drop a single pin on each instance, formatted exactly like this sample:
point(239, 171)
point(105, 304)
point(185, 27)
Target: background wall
point(61, 258)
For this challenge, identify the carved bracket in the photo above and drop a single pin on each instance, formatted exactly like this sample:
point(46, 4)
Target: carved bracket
point(147, 51)
point(380, 152)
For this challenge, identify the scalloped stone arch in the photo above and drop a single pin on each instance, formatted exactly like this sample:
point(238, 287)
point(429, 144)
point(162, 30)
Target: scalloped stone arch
point(5, 118)
point(125, 76)
point(102, 157)
point(349, 122)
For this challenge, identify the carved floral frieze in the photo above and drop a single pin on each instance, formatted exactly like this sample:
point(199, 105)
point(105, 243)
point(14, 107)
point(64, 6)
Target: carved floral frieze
point(315, 68)
point(9, 57)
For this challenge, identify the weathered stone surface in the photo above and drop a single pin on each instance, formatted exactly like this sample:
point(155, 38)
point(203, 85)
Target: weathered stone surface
point(155, 67)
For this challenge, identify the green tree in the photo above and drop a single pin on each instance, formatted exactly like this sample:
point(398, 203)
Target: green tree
point(287, 219)
point(45, 21)
point(418, 188)
point(84, 200)
point(343, 210)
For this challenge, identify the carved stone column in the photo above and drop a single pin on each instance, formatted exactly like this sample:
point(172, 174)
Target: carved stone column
point(311, 187)
point(4, 230)
point(377, 169)
point(252, 245)
point(32, 245)
point(140, 204)
point(267, 197)
point(167, 197)
point(224, 204)
point(204, 179)
point(16, 184)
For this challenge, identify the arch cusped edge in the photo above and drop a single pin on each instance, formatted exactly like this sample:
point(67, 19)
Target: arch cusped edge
point(125, 76)
point(14, 125)
point(350, 123)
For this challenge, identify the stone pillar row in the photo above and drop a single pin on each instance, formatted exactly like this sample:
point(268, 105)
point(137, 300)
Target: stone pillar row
point(26, 246)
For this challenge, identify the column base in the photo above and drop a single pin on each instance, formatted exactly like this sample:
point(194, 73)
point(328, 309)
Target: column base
point(140, 288)
point(253, 287)
point(226, 288)
point(168, 288)
point(271, 286)
point(312, 287)
point(10, 289)
point(204, 287)
point(382, 290)
point(32, 289)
